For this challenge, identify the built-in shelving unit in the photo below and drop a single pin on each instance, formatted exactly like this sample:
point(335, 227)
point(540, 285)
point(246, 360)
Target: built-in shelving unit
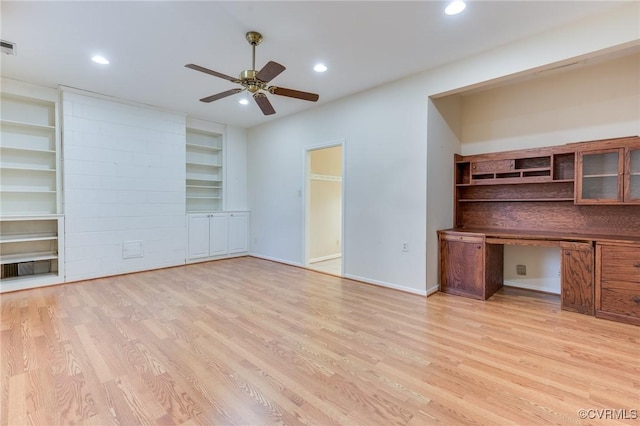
point(534, 178)
point(29, 156)
point(30, 221)
point(204, 167)
point(30, 251)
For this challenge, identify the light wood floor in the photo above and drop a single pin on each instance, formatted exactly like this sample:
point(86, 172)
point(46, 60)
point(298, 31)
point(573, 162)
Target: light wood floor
point(332, 266)
point(252, 342)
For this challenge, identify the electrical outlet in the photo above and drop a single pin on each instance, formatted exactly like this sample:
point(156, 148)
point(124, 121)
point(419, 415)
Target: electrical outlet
point(521, 269)
point(405, 246)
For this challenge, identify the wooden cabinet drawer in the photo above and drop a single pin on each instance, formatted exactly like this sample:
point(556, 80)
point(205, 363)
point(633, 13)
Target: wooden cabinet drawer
point(495, 166)
point(466, 238)
point(620, 263)
point(620, 297)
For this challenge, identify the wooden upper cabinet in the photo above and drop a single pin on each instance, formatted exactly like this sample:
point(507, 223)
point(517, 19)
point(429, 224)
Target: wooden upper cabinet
point(609, 176)
point(632, 176)
point(600, 176)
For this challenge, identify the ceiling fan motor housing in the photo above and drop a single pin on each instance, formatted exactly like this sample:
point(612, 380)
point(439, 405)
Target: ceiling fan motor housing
point(249, 80)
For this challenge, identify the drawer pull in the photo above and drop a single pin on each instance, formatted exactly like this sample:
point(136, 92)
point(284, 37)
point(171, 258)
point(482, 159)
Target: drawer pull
point(636, 264)
point(636, 299)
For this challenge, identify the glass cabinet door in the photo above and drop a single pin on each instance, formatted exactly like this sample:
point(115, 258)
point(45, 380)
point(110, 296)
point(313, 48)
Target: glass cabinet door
point(600, 176)
point(632, 177)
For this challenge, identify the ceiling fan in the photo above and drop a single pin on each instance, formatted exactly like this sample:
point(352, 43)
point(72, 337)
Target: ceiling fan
point(256, 81)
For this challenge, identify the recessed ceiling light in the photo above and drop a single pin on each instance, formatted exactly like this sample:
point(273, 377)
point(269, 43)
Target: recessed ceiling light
point(243, 101)
point(455, 7)
point(320, 68)
point(100, 60)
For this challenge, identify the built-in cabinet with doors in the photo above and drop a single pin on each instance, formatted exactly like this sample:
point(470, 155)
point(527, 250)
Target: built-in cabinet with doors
point(214, 235)
point(582, 197)
point(609, 176)
point(31, 223)
point(212, 232)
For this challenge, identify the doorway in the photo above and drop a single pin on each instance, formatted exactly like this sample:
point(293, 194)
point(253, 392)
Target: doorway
point(324, 209)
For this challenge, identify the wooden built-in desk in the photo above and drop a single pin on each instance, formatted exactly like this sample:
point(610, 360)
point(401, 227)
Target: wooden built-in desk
point(600, 274)
point(583, 198)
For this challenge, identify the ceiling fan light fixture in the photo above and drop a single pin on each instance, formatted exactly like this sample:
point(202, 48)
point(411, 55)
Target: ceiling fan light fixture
point(255, 82)
point(320, 67)
point(455, 7)
point(100, 60)
point(243, 101)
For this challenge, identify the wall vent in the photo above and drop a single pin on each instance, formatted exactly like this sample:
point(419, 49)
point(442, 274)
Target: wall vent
point(7, 47)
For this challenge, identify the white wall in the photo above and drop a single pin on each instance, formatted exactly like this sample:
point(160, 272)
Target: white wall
point(386, 144)
point(587, 102)
point(444, 127)
point(124, 180)
point(384, 179)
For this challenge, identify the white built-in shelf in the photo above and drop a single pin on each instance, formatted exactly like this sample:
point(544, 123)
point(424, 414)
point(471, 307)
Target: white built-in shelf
point(21, 238)
point(204, 198)
point(206, 181)
point(204, 186)
point(204, 158)
point(30, 169)
point(203, 164)
point(28, 257)
point(28, 191)
point(32, 230)
point(26, 125)
point(49, 275)
point(208, 148)
point(15, 148)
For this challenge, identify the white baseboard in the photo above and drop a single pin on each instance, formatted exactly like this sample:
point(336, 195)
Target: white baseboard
point(221, 257)
point(385, 284)
point(327, 257)
point(433, 289)
point(536, 284)
point(275, 259)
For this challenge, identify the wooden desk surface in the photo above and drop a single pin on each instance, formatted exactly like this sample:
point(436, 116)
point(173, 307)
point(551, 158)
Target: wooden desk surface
point(514, 234)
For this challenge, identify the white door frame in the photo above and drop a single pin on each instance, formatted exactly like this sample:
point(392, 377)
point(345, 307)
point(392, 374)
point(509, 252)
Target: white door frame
point(306, 198)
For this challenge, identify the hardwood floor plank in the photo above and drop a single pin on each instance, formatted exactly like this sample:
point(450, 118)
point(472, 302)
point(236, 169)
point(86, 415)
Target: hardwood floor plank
point(250, 342)
point(17, 403)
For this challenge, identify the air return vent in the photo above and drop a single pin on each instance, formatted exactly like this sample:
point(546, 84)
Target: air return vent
point(7, 47)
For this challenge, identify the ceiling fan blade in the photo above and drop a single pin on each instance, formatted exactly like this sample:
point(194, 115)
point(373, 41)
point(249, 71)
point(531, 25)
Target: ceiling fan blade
point(264, 104)
point(221, 95)
point(211, 72)
point(270, 71)
point(294, 93)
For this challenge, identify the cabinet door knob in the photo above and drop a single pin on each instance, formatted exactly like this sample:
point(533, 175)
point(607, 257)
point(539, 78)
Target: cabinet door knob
point(636, 299)
point(567, 253)
point(636, 264)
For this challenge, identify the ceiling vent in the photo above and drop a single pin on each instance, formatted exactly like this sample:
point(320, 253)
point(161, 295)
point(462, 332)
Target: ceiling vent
point(7, 47)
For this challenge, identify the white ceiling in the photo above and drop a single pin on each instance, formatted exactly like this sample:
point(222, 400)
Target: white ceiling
point(363, 43)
